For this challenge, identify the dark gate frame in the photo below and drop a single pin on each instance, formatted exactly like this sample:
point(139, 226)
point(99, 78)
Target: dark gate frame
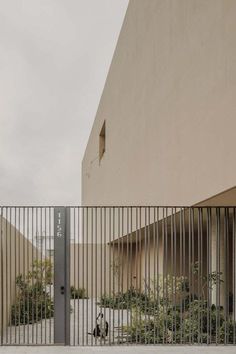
point(62, 276)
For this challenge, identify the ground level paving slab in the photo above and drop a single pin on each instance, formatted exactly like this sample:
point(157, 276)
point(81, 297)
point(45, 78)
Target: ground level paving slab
point(119, 349)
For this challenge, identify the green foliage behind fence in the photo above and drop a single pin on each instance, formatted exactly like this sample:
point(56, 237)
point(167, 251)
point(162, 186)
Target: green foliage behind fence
point(33, 301)
point(167, 311)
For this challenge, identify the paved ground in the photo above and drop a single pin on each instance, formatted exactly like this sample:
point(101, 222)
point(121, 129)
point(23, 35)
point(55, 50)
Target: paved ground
point(83, 321)
point(116, 350)
point(83, 316)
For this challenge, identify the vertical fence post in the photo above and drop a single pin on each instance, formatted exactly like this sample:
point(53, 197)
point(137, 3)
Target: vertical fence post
point(67, 278)
point(61, 276)
point(1, 279)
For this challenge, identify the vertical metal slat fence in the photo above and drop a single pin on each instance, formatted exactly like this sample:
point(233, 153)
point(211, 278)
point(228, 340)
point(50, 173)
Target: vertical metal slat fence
point(136, 275)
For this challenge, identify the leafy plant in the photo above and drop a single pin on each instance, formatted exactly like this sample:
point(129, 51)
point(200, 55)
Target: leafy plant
point(79, 293)
point(167, 311)
point(123, 300)
point(33, 301)
point(41, 272)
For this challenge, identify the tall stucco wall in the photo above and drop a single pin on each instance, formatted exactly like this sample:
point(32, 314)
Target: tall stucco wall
point(169, 104)
point(16, 257)
point(91, 268)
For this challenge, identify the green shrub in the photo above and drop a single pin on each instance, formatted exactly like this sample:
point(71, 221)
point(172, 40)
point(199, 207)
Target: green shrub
point(227, 332)
point(199, 324)
point(79, 293)
point(33, 301)
point(123, 300)
point(167, 312)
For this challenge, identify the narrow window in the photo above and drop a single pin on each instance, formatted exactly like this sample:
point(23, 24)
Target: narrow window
point(102, 141)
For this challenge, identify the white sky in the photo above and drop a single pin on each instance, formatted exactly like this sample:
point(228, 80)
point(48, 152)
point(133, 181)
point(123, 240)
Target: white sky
point(54, 58)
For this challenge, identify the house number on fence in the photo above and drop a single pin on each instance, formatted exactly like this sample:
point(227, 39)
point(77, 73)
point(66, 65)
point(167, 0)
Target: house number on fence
point(59, 229)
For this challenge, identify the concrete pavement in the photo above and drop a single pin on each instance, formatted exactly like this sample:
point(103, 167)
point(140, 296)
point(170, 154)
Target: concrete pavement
point(120, 349)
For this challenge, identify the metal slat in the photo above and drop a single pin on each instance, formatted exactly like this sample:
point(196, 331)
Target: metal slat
point(2, 274)
point(117, 252)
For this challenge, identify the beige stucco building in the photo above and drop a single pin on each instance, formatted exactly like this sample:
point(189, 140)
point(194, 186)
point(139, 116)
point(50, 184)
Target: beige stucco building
point(164, 132)
point(169, 108)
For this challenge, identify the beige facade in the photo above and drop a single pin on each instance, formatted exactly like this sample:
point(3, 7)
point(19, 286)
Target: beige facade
point(169, 108)
point(91, 267)
point(107, 269)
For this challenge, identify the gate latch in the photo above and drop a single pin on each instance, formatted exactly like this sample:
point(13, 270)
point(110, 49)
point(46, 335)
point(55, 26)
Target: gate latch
point(62, 290)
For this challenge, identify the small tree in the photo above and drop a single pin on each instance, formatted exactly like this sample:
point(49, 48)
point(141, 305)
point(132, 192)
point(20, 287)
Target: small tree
point(116, 266)
point(33, 301)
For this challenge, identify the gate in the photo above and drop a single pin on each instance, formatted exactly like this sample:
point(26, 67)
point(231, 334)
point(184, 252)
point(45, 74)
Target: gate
point(117, 275)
